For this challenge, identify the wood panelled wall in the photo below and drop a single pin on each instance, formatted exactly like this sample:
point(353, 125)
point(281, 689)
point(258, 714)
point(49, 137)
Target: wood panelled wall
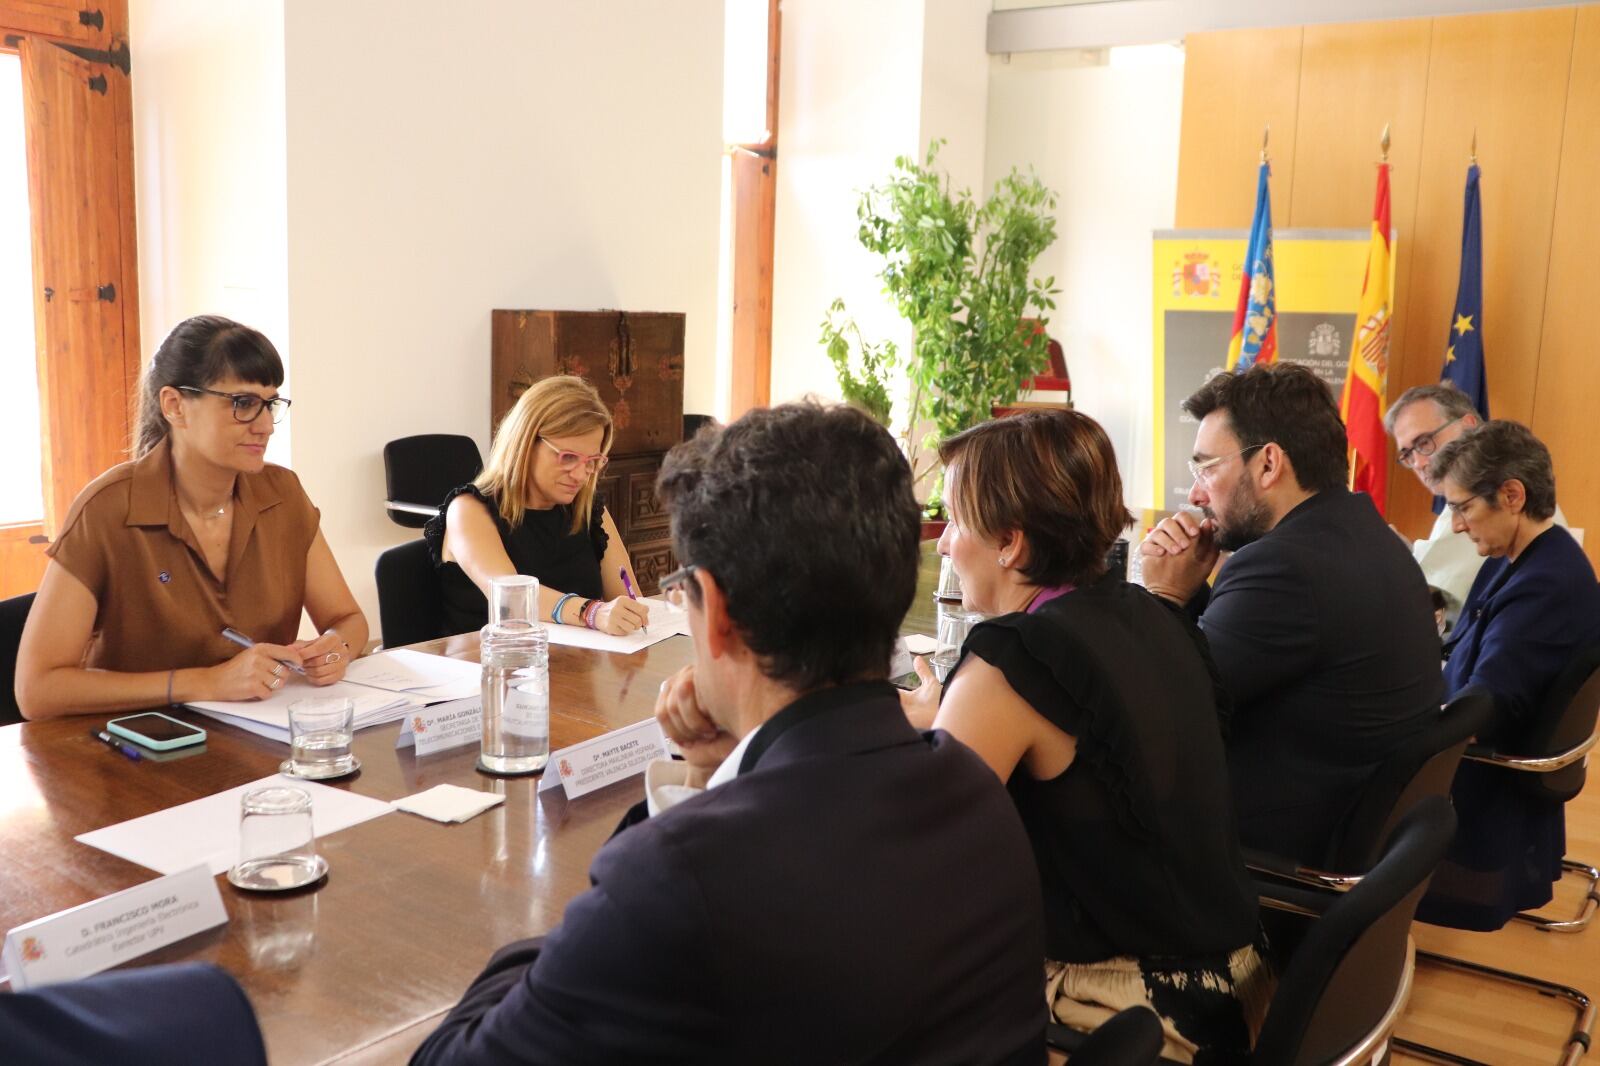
point(1529, 83)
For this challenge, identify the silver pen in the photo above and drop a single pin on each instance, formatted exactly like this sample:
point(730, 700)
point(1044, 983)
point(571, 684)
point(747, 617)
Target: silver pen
point(245, 642)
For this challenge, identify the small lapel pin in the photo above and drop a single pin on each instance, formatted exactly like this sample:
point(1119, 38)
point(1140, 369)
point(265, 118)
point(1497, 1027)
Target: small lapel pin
point(164, 577)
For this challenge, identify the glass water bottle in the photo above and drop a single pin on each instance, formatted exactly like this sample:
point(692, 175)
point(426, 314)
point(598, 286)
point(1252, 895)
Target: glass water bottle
point(515, 652)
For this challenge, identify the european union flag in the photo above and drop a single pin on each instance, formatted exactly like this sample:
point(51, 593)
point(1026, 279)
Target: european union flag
point(1463, 356)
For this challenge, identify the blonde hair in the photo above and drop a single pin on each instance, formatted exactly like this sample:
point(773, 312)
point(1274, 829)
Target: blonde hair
point(560, 407)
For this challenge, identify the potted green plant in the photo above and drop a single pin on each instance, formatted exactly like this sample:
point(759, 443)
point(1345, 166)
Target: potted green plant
point(959, 273)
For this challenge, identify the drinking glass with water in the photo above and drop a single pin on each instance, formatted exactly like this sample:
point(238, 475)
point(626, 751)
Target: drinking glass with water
point(515, 652)
point(320, 732)
point(953, 624)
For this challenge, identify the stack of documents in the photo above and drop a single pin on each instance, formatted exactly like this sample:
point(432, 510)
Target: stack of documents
point(382, 687)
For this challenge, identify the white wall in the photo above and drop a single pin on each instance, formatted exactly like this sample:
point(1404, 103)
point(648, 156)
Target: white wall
point(209, 181)
point(366, 181)
point(1105, 138)
point(498, 154)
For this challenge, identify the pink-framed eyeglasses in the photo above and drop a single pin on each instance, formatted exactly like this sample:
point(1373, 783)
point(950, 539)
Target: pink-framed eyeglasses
point(569, 461)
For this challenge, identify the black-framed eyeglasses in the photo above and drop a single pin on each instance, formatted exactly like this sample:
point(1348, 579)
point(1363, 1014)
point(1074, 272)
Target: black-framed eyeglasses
point(1424, 444)
point(1459, 507)
point(247, 406)
point(675, 586)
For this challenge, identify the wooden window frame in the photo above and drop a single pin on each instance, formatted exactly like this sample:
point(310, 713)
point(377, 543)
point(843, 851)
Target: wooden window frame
point(78, 117)
point(754, 195)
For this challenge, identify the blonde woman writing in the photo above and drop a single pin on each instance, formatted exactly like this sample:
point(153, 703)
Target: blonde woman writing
point(535, 510)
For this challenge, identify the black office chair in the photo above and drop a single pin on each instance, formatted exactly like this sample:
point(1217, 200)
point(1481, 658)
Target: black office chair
point(420, 470)
point(693, 423)
point(1552, 765)
point(1423, 767)
point(1129, 1038)
point(13, 616)
point(410, 605)
point(1345, 985)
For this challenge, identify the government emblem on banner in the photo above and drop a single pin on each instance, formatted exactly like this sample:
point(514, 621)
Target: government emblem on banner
point(1196, 276)
point(1324, 342)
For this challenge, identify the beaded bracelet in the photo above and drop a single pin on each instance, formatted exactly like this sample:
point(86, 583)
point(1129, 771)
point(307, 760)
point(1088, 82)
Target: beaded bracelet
point(589, 612)
point(555, 615)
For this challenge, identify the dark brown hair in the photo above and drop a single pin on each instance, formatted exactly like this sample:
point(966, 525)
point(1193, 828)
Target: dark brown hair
point(804, 515)
point(1284, 404)
point(201, 351)
point(1050, 474)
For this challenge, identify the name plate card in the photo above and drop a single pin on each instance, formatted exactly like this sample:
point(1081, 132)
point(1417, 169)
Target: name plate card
point(106, 932)
point(605, 760)
point(443, 726)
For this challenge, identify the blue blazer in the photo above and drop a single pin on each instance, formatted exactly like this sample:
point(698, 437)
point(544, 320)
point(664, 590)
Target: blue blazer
point(860, 893)
point(1520, 626)
point(154, 1016)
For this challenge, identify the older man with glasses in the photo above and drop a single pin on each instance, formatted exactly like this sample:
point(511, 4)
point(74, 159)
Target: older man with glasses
point(1423, 420)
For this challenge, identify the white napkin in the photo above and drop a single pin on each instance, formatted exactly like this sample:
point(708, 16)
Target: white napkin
point(449, 803)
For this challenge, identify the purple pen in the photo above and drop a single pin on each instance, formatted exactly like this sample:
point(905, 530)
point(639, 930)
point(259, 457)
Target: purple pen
point(627, 583)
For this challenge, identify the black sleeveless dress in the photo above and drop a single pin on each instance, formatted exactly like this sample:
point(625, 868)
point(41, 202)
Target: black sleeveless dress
point(541, 547)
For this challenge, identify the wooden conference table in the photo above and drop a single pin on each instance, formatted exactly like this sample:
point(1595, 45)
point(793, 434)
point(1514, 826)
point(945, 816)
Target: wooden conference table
point(363, 967)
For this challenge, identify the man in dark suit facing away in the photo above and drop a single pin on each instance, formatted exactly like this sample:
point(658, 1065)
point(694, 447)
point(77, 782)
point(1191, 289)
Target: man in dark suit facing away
point(817, 882)
point(1320, 621)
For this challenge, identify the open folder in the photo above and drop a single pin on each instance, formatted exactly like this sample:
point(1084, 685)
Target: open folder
point(381, 687)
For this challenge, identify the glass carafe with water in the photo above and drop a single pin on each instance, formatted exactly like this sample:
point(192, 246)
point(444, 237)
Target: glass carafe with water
point(515, 652)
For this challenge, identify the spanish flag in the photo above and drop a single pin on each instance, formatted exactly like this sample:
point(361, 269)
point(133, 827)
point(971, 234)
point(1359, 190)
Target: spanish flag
point(1363, 405)
point(1255, 320)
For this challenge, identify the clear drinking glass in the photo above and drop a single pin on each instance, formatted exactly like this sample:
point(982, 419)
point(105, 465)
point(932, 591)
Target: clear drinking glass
point(515, 653)
point(319, 736)
point(513, 598)
point(953, 624)
point(277, 845)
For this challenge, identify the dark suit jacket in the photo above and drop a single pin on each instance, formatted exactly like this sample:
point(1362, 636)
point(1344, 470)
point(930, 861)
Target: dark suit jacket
point(863, 893)
point(1323, 633)
point(155, 1016)
point(1520, 626)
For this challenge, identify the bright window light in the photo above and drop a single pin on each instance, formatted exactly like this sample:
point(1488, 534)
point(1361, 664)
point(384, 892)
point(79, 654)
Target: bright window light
point(744, 71)
point(21, 479)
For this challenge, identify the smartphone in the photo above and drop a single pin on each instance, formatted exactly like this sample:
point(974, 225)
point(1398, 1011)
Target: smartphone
point(156, 731)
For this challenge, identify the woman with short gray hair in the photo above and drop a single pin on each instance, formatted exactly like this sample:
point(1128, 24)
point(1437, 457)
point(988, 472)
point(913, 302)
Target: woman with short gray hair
point(1534, 606)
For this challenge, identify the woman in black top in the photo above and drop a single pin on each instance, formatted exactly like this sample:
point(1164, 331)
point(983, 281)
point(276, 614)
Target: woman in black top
point(535, 510)
point(1096, 703)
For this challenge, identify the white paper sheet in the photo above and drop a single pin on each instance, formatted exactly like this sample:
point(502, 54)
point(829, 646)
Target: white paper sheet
point(431, 678)
point(207, 830)
point(449, 803)
point(665, 621)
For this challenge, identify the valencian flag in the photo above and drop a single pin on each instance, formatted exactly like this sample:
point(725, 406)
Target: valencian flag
point(1463, 356)
point(1362, 405)
point(1255, 321)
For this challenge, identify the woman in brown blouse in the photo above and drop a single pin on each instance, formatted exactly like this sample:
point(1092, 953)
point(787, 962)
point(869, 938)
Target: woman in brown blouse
point(196, 535)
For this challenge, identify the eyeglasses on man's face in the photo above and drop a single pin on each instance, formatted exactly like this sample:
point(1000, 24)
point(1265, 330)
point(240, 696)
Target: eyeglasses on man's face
point(675, 586)
point(570, 461)
point(1206, 469)
point(1425, 444)
point(247, 406)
